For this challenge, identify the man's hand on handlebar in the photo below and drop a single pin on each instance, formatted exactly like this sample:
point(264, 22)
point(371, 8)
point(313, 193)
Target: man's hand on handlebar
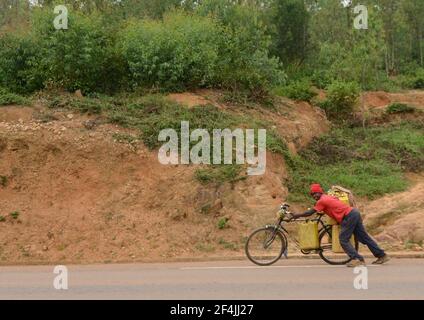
point(290, 216)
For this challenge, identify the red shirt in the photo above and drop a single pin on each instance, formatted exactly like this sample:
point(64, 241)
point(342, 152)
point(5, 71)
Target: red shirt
point(333, 207)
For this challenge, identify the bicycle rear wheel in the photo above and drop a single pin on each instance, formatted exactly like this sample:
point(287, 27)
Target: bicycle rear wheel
point(265, 246)
point(326, 253)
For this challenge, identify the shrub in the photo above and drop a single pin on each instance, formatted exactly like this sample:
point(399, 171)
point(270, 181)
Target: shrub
point(399, 108)
point(19, 56)
point(15, 215)
point(411, 79)
point(188, 51)
point(255, 72)
point(219, 174)
point(7, 98)
point(418, 81)
point(223, 223)
point(82, 105)
point(321, 79)
point(80, 57)
point(341, 99)
point(300, 90)
point(179, 52)
point(245, 61)
point(3, 181)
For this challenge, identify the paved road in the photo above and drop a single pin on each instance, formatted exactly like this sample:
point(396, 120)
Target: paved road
point(288, 279)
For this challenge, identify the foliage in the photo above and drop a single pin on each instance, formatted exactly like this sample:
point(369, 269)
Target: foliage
point(290, 23)
point(341, 99)
point(179, 52)
point(299, 90)
point(417, 80)
point(399, 108)
point(245, 61)
point(84, 105)
point(7, 98)
point(369, 161)
point(3, 181)
point(15, 215)
point(80, 57)
point(222, 223)
point(219, 174)
point(19, 55)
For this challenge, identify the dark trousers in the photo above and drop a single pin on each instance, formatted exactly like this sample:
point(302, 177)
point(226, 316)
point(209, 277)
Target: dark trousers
point(352, 224)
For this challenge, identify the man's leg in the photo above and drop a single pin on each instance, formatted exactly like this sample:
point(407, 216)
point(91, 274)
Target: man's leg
point(348, 226)
point(363, 237)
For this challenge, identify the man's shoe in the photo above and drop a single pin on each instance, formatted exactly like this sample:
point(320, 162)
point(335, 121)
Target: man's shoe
point(355, 263)
point(382, 259)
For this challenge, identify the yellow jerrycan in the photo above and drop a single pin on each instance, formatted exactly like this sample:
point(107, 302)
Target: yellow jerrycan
point(308, 235)
point(335, 237)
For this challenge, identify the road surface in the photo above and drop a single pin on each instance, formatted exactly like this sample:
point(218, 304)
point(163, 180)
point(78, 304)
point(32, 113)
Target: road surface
point(288, 279)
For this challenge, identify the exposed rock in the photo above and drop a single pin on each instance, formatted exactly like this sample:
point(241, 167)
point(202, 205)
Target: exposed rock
point(79, 94)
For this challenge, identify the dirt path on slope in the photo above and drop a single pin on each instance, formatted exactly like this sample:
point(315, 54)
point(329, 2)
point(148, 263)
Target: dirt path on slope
point(398, 219)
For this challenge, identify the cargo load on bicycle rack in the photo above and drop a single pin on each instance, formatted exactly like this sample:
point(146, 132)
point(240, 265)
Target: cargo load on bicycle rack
point(346, 196)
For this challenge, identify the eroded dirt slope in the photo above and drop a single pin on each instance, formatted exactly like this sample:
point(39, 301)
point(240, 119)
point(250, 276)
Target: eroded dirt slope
point(71, 192)
point(397, 219)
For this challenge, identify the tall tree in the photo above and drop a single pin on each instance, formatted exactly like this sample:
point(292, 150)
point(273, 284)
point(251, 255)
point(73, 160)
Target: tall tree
point(414, 11)
point(290, 19)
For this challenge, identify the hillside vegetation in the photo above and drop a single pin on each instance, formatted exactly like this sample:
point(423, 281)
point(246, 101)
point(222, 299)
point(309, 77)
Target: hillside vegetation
point(83, 106)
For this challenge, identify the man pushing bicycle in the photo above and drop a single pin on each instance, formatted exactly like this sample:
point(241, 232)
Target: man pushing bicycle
point(351, 223)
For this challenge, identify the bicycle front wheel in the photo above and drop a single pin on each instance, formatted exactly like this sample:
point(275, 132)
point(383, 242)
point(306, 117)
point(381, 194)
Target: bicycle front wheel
point(265, 246)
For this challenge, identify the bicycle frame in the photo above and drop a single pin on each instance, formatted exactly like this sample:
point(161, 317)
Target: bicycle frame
point(280, 228)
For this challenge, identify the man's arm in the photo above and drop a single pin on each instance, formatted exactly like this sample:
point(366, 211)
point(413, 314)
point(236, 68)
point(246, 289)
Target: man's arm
point(307, 213)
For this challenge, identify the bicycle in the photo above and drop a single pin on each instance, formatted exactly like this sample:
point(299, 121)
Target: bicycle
point(273, 240)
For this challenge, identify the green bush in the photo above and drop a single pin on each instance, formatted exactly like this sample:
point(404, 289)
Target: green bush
point(222, 223)
point(7, 98)
point(3, 181)
point(299, 90)
point(219, 174)
point(188, 51)
point(418, 81)
point(411, 79)
point(80, 57)
point(245, 61)
point(19, 58)
point(82, 105)
point(341, 99)
point(399, 108)
point(321, 79)
point(179, 52)
point(15, 215)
